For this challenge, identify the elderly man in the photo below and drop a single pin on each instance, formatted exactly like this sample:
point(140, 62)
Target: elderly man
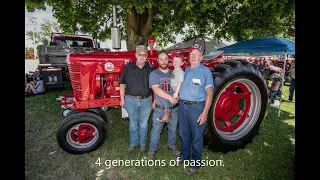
point(195, 101)
point(135, 96)
point(159, 81)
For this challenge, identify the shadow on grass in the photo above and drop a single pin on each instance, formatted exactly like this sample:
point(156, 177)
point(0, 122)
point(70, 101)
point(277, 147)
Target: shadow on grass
point(276, 141)
point(269, 156)
point(284, 114)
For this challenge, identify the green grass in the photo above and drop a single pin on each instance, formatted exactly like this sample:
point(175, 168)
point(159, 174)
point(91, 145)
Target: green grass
point(269, 156)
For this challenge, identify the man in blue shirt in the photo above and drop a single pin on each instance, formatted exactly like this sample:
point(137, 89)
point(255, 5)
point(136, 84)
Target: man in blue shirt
point(195, 101)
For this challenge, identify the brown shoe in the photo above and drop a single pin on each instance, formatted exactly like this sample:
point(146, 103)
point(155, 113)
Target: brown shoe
point(179, 161)
point(175, 151)
point(143, 150)
point(152, 155)
point(130, 150)
point(191, 171)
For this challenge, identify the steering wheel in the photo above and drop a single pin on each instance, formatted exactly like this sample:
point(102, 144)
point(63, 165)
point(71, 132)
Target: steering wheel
point(199, 42)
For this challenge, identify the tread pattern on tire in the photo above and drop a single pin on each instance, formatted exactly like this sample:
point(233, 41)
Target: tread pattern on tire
point(222, 74)
point(97, 111)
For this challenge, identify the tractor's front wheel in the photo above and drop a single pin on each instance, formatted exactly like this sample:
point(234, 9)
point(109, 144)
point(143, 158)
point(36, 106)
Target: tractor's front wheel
point(82, 133)
point(238, 106)
point(68, 112)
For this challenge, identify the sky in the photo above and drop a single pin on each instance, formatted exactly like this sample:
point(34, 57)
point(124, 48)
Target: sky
point(40, 15)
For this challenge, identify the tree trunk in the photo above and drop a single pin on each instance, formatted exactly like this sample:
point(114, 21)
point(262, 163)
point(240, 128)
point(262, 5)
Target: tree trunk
point(138, 28)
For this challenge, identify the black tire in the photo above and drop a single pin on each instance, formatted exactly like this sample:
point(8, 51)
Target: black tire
point(101, 113)
point(97, 111)
point(73, 111)
point(247, 81)
point(68, 133)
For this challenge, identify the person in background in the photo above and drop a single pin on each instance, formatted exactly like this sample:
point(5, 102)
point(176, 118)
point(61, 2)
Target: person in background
point(292, 75)
point(36, 87)
point(274, 90)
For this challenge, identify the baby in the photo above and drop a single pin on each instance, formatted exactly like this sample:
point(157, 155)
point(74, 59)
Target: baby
point(176, 81)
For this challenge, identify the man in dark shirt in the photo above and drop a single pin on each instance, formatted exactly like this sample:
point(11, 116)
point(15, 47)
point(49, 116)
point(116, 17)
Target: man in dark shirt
point(135, 96)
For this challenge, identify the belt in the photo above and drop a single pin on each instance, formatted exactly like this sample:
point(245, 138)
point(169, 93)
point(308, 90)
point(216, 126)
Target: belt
point(191, 102)
point(138, 97)
point(163, 108)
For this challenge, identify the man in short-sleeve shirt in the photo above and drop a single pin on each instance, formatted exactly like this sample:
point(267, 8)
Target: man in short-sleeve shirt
point(159, 81)
point(195, 101)
point(135, 97)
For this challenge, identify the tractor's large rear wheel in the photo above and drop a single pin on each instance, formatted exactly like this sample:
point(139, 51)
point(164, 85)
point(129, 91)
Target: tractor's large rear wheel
point(82, 133)
point(238, 107)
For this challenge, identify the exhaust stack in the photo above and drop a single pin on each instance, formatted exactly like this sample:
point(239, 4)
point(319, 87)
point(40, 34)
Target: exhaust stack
point(115, 31)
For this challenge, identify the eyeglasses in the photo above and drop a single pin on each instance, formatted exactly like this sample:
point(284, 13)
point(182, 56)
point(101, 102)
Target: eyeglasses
point(144, 55)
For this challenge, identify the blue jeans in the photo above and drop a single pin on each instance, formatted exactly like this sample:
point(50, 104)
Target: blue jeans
point(138, 113)
point(190, 131)
point(291, 89)
point(158, 126)
point(167, 104)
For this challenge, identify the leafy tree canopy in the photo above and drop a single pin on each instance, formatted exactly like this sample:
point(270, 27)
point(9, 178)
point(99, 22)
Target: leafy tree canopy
point(140, 19)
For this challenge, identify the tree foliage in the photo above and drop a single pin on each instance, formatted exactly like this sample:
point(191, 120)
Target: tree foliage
point(29, 50)
point(46, 28)
point(34, 36)
point(140, 19)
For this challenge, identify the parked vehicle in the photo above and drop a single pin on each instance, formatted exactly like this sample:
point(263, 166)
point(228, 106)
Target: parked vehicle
point(52, 56)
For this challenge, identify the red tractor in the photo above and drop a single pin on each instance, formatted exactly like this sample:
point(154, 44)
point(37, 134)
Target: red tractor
point(238, 107)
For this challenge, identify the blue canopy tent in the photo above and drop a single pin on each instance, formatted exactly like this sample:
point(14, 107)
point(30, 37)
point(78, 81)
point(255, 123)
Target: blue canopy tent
point(269, 44)
point(266, 45)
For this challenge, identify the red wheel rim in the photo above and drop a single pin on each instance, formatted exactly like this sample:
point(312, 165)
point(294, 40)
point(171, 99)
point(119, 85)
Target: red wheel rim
point(83, 133)
point(227, 107)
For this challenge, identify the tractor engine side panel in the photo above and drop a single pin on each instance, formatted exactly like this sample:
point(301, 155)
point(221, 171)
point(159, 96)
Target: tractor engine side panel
point(95, 81)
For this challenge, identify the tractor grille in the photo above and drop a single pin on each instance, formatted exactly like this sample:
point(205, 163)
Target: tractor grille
point(74, 70)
